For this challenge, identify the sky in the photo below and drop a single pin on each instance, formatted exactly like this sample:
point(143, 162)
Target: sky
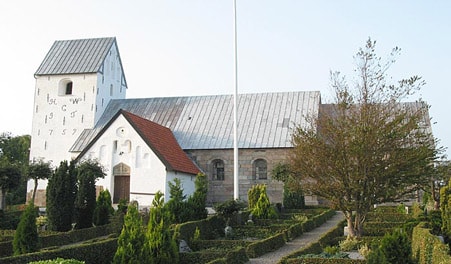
point(185, 47)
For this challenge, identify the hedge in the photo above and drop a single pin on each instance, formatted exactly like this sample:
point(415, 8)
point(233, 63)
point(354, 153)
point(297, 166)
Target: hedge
point(237, 255)
point(269, 244)
point(387, 217)
point(427, 248)
point(209, 228)
point(101, 252)
point(324, 261)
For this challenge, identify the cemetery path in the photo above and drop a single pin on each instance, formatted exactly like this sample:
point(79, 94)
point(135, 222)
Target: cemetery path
point(298, 243)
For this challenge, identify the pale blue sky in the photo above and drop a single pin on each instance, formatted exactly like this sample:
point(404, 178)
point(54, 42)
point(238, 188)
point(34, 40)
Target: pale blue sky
point(185, 47)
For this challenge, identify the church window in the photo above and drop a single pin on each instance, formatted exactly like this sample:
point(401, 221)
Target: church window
point(218, 170)
point(37, 108)
point(259, 169)
point(102, 102)
point(68, 88)
point(115, 146)
point(111, 90)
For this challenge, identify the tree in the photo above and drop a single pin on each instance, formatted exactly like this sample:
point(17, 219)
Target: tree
point(26, 237)
point(262, 208)
point(38, 170)
point(87, 174)
point(368, 147)
point(161, 246)
point(15, 150)
point(61, 192)
point(10, 176)
point(132, 239)
point(445, 208)
point(176, 204)
point(103, 209)
point(293, 196)
point(197, 202)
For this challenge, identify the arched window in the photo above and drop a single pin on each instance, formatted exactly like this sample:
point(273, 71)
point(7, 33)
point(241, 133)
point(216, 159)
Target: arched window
point(65, 87)
point(68, 88)
point(260, 169)
point(217, 172)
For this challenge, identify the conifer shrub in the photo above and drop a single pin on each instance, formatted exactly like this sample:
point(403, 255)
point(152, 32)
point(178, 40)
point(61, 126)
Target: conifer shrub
point(396, 247)
point(26, 238)
point(104, 209)
point(132, 239)
point(262, 208)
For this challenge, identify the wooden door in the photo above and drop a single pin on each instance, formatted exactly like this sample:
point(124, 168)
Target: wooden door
point(121, 188)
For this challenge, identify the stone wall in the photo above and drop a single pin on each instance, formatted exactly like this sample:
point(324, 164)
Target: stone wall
point(220, 191)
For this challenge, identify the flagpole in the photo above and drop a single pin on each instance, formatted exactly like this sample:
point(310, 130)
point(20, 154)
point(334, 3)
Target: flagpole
point(236, 190)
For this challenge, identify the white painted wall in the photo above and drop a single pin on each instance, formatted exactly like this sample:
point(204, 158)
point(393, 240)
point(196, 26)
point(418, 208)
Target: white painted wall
point(147, 173)
point(58, 119)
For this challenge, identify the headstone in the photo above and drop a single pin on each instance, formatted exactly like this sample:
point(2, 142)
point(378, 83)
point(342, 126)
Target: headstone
point(183, 247)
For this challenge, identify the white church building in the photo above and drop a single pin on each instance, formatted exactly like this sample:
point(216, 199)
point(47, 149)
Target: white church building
point(81, 112)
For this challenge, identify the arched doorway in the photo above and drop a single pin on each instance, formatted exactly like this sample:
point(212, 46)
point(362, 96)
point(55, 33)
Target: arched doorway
point(121, 173)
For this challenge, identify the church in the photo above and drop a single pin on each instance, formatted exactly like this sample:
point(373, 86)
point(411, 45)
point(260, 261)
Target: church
point(81, 112)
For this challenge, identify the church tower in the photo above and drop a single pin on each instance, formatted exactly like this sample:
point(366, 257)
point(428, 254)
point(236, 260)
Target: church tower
point(74, 84)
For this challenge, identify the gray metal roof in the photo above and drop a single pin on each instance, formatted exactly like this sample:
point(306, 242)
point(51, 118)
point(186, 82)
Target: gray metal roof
point(265, 120)
point(75, 56)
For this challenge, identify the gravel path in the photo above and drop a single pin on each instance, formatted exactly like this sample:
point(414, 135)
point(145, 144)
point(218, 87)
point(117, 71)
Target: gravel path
point(298, 243)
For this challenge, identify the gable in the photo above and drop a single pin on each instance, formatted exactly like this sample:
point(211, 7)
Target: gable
point(158, 139)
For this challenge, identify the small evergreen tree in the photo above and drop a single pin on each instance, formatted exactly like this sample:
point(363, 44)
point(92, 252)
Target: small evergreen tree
point(376, 256)
point(161, 246)
point(396, 247)
point(38, 170)
point(263, 208)
point(176, 205)
point(85, 203)
point(253, 195)
point(104, 209)
point(445, 208)
point(196, 204)
point(132, 239)
point(26, 237)
point(61, 193)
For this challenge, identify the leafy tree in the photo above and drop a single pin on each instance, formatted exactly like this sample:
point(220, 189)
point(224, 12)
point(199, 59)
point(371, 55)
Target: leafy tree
point(368, 147)
point(176, 205)
point(132, 239)
point(196, 204)
point(161, 246)
point(445, 208)
point(10, 176)
point(104, 209)
point(61, 193)
point(87, 174)
point(15, 150)
point(38, 170)
point(26, 237)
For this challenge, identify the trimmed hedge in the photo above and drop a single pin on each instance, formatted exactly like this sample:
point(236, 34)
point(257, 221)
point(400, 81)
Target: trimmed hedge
point(101, 252)
point(237, 255)
point(387, 217)
point(427, 248)
point(261, 247)
point(209, 228)
point(325, 261)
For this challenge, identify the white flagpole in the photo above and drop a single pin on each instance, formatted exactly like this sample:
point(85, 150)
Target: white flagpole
point(236, 186)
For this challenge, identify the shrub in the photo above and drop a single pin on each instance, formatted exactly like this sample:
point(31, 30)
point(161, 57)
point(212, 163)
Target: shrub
point(377, 257)
point(349, 244)
point(263, 208)
point(26, 237)
point(58, 261)
point(396, 247)
point(229, 208)
point(103, 209)
point(132, 239)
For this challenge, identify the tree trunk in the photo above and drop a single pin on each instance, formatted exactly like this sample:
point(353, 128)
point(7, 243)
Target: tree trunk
point(2, 199)
point(355, 227)
point(34, 190)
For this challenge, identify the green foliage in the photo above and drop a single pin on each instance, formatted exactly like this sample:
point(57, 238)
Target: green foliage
point(396, 247)
point(349, 244)
point(427, 248)
point(122, 206)
point(10, 176)
point(376, 256)
point(104, 209)
point(332, 250)
point(26, 238)
point(61, 193)
point(293, 197)
point(87, 174)
point(263, 209)
point(38, 170)
point(176, 205)
point(445, 208)
point(417, 211)
point(253, 194)
point(229, 208)
point(160, 246)
point(132, 239)
point(367, 147)
point(435, 221)
point(58, 261)
point(196, 204)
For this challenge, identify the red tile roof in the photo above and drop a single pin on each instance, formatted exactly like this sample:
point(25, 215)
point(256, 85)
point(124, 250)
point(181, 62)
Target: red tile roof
point(163, 143)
